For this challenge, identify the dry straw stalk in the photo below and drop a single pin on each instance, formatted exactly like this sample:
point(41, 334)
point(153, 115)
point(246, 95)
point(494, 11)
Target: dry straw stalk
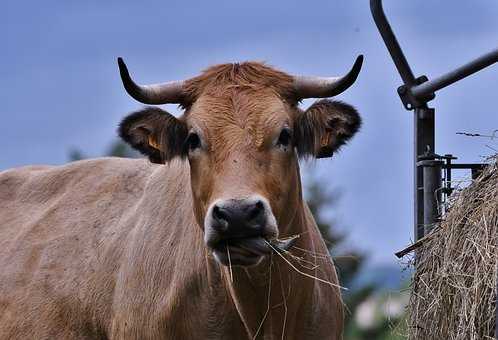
point(454, 287)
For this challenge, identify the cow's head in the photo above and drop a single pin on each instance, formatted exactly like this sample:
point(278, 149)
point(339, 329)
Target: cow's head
point(242, 133)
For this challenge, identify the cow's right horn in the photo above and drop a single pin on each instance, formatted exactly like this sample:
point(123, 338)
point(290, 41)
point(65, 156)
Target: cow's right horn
point(165, 93)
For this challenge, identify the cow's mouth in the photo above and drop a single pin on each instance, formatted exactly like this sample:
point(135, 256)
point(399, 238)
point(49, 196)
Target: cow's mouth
point(241, 251)
point(247, 251)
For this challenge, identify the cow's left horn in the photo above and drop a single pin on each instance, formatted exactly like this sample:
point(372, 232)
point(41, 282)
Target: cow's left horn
point(322, 87)
point(164, 93)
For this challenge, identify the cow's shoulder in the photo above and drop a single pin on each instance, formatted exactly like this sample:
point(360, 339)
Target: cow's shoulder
point(87, 198)
point(68, 232)
point(37, 184)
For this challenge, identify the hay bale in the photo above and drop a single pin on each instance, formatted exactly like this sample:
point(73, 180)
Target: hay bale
point(454, 287)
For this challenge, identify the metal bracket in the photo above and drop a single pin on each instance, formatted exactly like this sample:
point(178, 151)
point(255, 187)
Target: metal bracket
point(410, 102)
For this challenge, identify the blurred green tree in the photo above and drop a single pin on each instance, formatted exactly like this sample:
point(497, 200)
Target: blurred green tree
point(117, 148)
point(348, 261)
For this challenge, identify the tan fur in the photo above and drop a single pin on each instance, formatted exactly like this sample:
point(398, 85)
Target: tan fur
point(113, 248)
point(216, 79)
point(110, 249)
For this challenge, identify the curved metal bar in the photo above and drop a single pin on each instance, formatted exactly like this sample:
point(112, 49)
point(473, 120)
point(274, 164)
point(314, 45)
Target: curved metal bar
point(418, 92)
point(391, 43)
point(424, 90)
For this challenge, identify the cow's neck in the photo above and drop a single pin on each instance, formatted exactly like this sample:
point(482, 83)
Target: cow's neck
point(267, 296)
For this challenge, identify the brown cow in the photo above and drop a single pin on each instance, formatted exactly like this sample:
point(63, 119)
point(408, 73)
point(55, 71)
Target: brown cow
point(126, 249)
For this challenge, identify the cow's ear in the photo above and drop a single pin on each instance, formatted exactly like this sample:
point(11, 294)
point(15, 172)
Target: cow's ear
point(155, 133)
point(324, 127)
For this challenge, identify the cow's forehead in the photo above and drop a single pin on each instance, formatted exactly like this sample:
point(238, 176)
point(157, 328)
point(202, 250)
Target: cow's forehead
point(245, 108)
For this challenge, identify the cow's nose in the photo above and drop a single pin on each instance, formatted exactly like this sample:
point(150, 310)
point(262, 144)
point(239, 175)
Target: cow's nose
point(239, 217)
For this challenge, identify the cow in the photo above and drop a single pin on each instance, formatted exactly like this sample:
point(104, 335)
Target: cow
point(208, 238)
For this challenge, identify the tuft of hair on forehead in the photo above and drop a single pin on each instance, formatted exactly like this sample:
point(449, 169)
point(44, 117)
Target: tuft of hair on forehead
point(223, 77)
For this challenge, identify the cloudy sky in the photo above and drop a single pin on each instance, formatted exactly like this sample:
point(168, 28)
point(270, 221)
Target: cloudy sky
point(60, 89)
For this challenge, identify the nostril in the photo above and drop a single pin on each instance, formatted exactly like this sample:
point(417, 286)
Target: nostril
point(256, 211)
point(219, 215)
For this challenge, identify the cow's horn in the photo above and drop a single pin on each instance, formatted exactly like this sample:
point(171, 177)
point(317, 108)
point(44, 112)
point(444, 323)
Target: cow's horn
point(322, 87)
point(171, 92)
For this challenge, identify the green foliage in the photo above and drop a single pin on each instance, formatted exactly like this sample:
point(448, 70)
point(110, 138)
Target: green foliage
point(117, 148)
point(76, 155)
point(348, 261)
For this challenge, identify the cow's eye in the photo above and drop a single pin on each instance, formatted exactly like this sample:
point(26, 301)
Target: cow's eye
point(285, 138)
point(193, 141)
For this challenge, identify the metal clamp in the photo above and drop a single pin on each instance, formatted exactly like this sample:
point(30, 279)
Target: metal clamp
point(411, 102)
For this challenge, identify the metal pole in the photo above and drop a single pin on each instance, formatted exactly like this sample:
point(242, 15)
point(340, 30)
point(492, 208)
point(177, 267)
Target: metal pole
point(432, 192)
point(391, 42)
point(428, 88)
point(424, 132)
point(423, 119)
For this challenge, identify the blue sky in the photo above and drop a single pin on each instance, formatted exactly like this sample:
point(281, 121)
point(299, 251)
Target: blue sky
point(60, 89)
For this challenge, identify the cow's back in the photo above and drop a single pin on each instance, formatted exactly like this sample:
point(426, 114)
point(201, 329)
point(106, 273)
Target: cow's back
point(63, 231)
